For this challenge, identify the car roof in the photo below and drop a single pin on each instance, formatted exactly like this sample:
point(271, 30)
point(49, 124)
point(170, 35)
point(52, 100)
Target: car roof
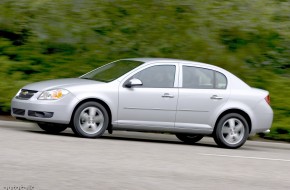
point(147, 60)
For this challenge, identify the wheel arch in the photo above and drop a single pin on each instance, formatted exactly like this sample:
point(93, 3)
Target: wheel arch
point(238, 111)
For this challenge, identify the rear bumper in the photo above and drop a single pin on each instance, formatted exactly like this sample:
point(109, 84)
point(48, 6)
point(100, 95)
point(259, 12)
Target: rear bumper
point(263, 118)
point(267, 131)
point(52, 111)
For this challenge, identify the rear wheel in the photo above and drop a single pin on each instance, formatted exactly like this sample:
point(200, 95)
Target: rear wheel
point(231, 131)
point(90, 120)
point(52, 128)
point(189, 138)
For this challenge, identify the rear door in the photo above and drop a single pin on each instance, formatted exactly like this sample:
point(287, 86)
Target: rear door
point(203, 92)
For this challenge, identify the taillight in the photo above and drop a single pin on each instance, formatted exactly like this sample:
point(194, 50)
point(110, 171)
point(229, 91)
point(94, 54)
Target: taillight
point(267, 98)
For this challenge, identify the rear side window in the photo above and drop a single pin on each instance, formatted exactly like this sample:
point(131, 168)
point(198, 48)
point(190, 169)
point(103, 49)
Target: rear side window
point(220, 81)
point(201, 78)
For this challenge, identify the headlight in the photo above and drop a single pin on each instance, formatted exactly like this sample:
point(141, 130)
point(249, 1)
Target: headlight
point(18, 93)
point(53, 94)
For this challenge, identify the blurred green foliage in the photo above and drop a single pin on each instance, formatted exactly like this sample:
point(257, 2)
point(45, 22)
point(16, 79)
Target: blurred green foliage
point(47, 39)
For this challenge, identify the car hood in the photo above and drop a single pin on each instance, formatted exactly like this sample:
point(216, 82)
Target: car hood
point(59, 83)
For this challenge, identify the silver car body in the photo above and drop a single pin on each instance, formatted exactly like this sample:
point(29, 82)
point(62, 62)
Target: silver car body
point(176, 110)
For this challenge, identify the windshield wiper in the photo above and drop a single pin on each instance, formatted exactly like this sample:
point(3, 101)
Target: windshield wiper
point(86, 78)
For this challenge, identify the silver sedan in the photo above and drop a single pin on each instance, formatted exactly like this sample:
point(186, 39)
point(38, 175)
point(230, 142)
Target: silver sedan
point(188, 99)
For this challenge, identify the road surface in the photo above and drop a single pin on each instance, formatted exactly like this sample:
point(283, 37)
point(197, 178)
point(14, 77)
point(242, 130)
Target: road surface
point(32, 159)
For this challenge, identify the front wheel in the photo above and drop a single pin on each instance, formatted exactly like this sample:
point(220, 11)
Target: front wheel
point(231, 131)
point(189, 138)
point(90, 120)
point(52, 128)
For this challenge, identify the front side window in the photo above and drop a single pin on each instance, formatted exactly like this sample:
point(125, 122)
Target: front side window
point(201, 78)
point(159, 76)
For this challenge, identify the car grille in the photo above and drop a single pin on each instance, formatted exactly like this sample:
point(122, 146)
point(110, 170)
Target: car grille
point(26, 94)
point(17, 111)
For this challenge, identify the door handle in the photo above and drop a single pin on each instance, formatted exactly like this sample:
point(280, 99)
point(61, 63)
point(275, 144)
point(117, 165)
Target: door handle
point(216, 97)
point(167, 95)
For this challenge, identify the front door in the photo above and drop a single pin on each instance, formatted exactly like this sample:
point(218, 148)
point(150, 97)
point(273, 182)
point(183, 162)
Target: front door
point(151, 105)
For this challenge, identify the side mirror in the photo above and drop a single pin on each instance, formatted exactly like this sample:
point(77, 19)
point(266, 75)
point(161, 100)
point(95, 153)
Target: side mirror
point(133, 82)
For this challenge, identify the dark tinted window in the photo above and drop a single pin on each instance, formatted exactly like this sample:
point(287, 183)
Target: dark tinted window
point(159, 76)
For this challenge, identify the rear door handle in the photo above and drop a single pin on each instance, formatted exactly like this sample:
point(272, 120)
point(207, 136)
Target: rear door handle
point(216, 97)
point(167, 95)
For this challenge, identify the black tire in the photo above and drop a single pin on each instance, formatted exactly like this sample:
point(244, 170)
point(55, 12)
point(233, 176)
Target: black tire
point(86, 124)
point(189, 138)
point(52, 128)
point(227, 136)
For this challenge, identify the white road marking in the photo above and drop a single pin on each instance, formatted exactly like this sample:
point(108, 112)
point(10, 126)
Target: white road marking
point(245, 157)
point(16, 124)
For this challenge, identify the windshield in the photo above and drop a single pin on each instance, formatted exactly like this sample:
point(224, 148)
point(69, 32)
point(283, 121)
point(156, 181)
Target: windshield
point(112, 71)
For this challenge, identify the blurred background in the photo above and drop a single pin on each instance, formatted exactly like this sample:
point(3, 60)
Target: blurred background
point(48, 39)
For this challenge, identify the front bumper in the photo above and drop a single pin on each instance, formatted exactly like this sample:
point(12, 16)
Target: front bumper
point(52, 111)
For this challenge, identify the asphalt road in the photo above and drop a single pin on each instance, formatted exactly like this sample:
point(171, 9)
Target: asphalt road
point(32, 159)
